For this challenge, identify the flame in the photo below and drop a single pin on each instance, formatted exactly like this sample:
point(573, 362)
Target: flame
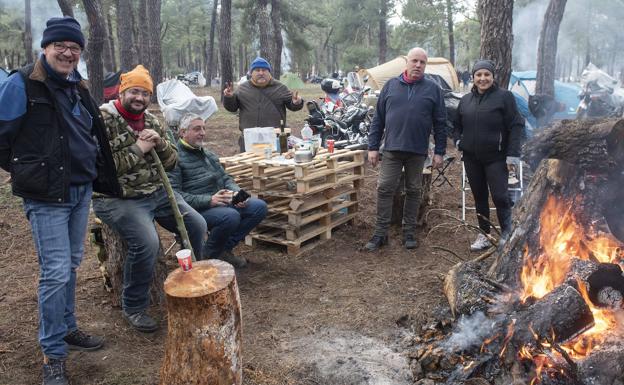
point(562, 238)
point(604, 321)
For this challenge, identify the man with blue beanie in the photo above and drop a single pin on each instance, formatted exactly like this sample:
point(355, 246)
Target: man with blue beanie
point(54, 144)
point(261, 101)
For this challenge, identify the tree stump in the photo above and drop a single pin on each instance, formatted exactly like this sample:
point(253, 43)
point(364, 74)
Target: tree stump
point(204, 326)
point(111, 254)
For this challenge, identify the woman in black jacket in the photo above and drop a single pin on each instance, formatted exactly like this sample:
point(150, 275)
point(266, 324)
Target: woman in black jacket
point(489, 130)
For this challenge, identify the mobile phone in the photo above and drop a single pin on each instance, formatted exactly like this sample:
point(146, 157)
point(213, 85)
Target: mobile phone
point(240, 196)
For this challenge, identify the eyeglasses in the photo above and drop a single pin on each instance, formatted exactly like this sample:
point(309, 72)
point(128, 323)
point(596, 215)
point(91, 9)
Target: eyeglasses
point(137, 92)
point(60, 48)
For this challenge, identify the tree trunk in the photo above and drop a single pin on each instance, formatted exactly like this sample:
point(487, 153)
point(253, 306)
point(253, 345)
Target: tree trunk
point(27, 33)
point(264, 30)
point(225, 49)
point(153, 17)
point(497, 36)
point(383, 33)
point(276, 20)
point(451, 33)
point(112, 256)
point(93, 9)
point(67, 7)
point(211, 40)
point(125, 36)
point(241, 59)
point(111, 41)
point(547, 48)
point(108, 59)
point(204, 299)
point(143, 42)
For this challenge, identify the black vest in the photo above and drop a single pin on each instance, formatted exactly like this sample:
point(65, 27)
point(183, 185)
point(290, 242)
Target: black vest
point(40, 160)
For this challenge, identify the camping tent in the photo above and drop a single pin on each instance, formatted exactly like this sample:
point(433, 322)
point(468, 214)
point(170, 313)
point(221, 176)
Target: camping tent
point(522, 84)
point(3, 74)
point(377, 76)
point(291, 80)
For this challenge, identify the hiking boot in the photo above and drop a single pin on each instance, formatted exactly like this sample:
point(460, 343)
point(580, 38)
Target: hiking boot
point(79, 340)
point(54, 372)
point(409, 241)
point(141, 321)
point(233, 259)
point(481, 243)
point(376, 242)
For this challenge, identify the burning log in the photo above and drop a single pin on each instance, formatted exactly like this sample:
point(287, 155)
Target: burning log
point(559, 269)
point(560, 315)
point(204, 326)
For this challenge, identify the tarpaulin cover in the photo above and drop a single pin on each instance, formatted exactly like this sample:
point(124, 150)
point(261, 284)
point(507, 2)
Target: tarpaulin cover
point(176, 99)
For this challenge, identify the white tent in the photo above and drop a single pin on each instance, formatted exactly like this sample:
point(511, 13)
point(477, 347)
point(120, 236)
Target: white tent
point(377, 76)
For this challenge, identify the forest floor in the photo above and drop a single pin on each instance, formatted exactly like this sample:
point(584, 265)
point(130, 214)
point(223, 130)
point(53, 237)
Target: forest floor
point(333, 315)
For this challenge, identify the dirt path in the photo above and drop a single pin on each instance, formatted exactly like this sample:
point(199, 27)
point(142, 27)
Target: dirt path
point(334, 315)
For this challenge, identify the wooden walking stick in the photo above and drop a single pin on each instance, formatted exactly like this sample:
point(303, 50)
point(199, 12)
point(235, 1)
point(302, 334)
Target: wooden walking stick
point(186, 243)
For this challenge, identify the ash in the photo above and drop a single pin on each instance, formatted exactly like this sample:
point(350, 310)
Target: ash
point(340, 357)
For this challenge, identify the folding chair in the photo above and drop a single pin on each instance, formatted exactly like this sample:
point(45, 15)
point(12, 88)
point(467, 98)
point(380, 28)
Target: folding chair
point(441, 176)
point(517, 189)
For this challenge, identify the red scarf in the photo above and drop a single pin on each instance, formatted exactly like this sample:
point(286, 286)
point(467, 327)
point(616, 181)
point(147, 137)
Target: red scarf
point(407, 79)
point(136, 121)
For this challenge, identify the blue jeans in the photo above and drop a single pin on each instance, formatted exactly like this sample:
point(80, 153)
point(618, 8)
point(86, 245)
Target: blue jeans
point(229, 225)
point(133, 219)
point(58, 231)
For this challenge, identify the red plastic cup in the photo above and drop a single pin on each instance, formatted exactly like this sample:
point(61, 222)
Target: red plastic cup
point(184, 259)
point(330, 145)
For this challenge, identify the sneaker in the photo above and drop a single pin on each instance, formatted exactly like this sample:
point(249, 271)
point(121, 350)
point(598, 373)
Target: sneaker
point(409, 241)
point(481, 243)
point(54, 372)
point(233, 259)
point(141, 321)
point(376, 242)
point(79, 340)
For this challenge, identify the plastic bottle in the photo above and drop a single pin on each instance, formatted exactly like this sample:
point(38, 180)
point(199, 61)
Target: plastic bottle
point(306, 132)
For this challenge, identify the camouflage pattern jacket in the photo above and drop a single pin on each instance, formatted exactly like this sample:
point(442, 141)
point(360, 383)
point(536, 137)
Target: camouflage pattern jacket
point(136, 172)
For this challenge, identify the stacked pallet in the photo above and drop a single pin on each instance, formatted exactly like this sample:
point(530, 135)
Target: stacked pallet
point(307, 201)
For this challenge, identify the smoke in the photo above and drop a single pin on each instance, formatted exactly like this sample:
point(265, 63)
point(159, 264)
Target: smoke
point(527, 22)
point(470, 332)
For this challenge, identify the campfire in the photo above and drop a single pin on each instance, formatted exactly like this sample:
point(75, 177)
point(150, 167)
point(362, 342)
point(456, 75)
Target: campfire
point(548, 309)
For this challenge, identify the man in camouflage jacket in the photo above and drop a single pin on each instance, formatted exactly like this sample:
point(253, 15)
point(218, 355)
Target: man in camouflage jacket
point(133, 133)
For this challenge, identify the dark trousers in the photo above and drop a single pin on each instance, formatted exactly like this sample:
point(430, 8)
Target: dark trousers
point(392, 165)
point(494, 175)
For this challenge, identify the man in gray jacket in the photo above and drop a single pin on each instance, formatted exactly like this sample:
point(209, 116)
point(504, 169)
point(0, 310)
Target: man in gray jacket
point(204, 184)
point(261, 101)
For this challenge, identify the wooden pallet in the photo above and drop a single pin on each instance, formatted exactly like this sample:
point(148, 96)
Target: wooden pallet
point(300, 179)
point(309, 238)
point(292, 224)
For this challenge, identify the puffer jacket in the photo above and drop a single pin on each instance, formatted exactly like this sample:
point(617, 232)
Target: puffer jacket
point(198, 176)
point(489, 126)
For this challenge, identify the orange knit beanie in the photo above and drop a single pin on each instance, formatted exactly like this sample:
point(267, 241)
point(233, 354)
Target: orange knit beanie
point(138, 77)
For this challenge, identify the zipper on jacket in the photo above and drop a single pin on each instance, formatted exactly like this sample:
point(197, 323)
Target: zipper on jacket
point(500, 141)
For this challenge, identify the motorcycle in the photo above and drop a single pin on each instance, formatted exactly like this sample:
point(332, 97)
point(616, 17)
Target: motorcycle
point(348, 126)
point(599, 96)
point(597, 102)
